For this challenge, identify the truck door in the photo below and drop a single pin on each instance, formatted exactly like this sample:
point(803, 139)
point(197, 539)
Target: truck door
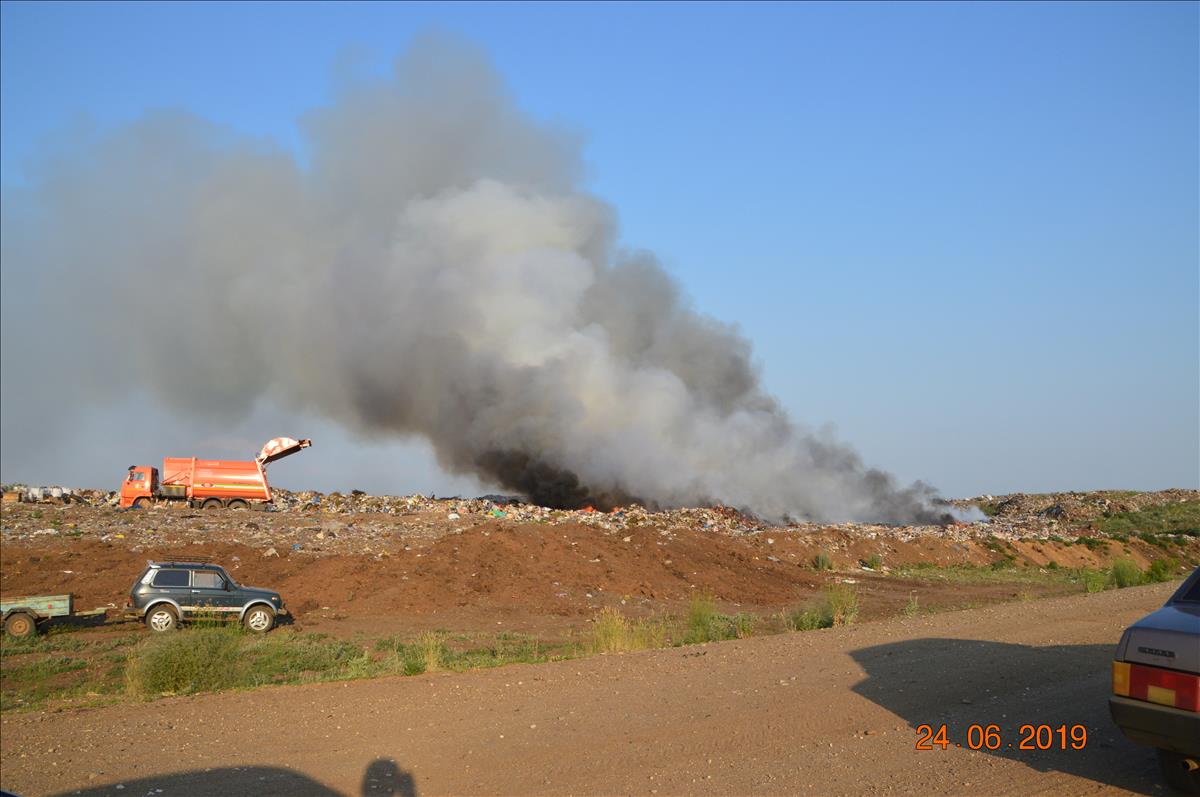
point(135, 486)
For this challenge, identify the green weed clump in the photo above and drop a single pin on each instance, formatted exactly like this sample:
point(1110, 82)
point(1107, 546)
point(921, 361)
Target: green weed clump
point(822, 561)
point(1161, 570)
point(214, 658)
point(704, 623)
point(913, 607)
point(838, 606)
point(1091, 543)
point(1093, 580)
point(198, 660)
point(1125, 573)
point(875, 561)
point(613, 632)
point(432, 649)
point(843, 604)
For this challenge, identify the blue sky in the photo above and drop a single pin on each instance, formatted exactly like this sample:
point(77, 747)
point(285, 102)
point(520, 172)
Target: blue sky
point(964, 234)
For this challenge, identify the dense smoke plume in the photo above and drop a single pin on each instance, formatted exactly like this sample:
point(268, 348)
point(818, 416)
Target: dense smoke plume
point(434, 268)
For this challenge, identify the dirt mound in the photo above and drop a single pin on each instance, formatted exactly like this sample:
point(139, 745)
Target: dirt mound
point(565, 570)
point(451, 564)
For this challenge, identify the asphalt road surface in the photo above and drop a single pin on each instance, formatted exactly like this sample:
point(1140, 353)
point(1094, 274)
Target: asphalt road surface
point(823, 712)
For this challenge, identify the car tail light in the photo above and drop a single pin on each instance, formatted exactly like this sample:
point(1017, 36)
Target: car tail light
point(1156, 685)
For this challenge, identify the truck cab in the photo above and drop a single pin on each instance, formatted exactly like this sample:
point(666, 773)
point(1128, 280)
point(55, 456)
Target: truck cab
point(139, 487)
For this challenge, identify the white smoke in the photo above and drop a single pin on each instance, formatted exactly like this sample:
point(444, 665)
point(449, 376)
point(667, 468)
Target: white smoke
point(435, 270)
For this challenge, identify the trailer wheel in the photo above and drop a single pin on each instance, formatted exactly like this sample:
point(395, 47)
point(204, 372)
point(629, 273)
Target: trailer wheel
point(141, 503)
point(19, 625)
point(211, 503)
point(238, 503)
point(162, 618)
point(260, 619)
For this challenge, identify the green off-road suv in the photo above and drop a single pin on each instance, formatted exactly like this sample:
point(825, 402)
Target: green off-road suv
point(167, 593)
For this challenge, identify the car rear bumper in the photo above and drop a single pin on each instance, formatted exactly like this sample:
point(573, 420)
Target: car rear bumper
point(1158, 726)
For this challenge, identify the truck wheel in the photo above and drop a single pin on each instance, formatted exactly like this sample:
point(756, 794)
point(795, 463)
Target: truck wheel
point(1177, 773)
point(211, 503)
point(141, 503)
point(260, 619)
point(19, 625)
point(162, 618)
point(238, 503)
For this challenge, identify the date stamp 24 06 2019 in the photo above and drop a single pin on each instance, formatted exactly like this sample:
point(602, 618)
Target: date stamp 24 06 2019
point(991, 737)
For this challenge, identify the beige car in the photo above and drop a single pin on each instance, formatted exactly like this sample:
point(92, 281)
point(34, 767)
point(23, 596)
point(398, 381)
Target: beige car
point(1156, 685)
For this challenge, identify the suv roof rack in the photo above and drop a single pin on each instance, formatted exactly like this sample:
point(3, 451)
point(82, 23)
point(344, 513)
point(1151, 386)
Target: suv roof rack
point(182, 561)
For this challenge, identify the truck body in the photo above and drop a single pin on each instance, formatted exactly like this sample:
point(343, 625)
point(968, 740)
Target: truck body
point(208, 483)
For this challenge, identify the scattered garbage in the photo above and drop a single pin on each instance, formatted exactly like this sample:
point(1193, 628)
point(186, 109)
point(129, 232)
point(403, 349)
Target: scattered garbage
point(320, 524)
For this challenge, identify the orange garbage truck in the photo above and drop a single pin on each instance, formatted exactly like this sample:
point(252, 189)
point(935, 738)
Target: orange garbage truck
point(208, 483)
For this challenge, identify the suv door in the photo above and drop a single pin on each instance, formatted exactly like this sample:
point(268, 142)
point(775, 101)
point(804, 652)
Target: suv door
point(209, 592)
point(172, 583)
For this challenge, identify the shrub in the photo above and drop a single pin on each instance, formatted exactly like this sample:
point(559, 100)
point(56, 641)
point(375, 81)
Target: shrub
point(808, 619)
point(1161, 570)
point(843, 604)
point(1152, 539)
point(875, 561)
point(822, 561)
point(702, 621)
point(704, 624)
point(1125, 573)
point(838, 606)
point(1093, 580)
point(612, 632)
point(199, 660)
point(742, 625)
point(432, 650)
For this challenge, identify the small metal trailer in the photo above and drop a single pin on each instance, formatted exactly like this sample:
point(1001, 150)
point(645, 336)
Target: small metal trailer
point(23, 614)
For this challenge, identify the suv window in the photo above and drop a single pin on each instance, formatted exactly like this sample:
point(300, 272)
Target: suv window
point(171, 578)
point(207, 579)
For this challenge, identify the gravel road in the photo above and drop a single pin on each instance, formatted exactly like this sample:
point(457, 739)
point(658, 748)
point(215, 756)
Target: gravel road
point(823, 712)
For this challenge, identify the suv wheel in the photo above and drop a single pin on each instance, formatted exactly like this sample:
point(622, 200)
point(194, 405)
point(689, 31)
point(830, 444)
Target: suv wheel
point(260, 619)
point(162, 618)
point(1177, 774)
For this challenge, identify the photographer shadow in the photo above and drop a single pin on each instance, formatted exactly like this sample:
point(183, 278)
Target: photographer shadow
point(382, 778)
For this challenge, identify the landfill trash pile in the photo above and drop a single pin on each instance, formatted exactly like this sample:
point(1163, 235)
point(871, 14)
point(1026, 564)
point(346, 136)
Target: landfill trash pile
point(316, 523)
point(389, 561)
point(1075, 506)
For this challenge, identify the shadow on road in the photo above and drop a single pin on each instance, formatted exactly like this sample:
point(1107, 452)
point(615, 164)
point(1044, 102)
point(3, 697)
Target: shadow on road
point(382, 778)
point(962, 682)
